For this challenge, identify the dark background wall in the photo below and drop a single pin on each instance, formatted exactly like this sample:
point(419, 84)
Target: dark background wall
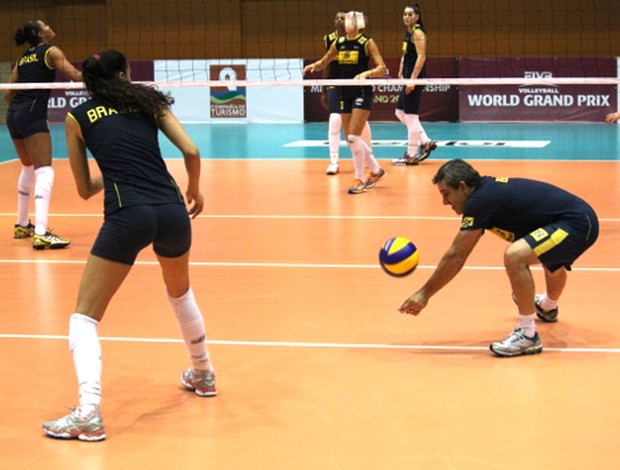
point(193, 29)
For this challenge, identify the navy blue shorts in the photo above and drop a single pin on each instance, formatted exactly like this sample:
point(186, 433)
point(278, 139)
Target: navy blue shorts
point(561, 243)
point(410, 102)
point(355, 97)
point(333, 100)
point(22, 123)
point(127, 231)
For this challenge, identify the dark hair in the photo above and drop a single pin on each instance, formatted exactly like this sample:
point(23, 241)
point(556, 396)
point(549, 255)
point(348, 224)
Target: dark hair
point(101, 73)
point(455, 171)
point(418, 11)
point(29, 33)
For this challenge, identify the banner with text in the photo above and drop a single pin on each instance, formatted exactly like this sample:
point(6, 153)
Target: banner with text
point(265, 104)
point(228, 102)
point(439, 102)
point(588, 103)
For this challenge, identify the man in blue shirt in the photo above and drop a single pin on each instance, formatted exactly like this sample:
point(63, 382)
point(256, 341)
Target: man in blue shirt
point(544, 225)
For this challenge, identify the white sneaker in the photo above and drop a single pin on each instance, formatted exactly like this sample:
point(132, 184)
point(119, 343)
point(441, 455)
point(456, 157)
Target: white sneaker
point(200, 382)
point(72, 426)
point(49, 240)
point(405, 160)
point(517, 344)
point(332, 169)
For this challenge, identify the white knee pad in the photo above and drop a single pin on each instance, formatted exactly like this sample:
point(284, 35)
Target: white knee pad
point(358, 153)
point(335, 123)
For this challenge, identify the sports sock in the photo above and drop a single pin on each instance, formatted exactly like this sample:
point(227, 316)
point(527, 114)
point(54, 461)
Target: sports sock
point(358, 153)
point(369, 159)
point(528, 324)
point(424, 139)
point(547, 304)
point(367, 135)
point(371, 162)
point(42, 195)
point(414, 131)
point(333, 136)
point(86, 351)
point(192, 328)
point(25, 185)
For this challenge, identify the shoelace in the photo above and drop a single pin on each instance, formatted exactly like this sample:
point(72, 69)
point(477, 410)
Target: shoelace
point(515, 336)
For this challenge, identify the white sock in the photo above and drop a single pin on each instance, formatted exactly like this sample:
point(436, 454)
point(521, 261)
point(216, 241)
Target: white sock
point(192, 328)
point(86, 351)
point(528, 324)
point(358, 151)
point(424, 139)
point(335, 123)
point(42, 195)
point(367, 135)
point(25, 185)
point(370, 157)
point(547, 303)
point(414, 131)
point(416, 135)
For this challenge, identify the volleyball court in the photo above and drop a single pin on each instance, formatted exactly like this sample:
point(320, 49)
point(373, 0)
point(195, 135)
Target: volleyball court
point(315, 366)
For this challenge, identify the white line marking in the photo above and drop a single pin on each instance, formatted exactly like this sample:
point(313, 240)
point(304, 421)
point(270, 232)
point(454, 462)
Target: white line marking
point(242, 264)
point(296, 344)
point(440, 143)
point(301, 217)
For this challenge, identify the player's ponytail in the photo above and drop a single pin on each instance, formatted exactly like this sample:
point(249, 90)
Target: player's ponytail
point(29, 33)
point(418, 11)
point(105, 78)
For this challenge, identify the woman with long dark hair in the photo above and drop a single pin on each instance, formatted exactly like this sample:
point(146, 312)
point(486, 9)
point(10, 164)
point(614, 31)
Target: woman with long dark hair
point(29, 130)
point(142, 206)
point(413, 65)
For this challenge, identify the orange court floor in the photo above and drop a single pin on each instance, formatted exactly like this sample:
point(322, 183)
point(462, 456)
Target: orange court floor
point(316, 369)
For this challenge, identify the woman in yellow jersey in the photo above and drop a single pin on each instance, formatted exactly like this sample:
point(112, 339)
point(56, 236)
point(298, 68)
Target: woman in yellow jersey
point(354, 52)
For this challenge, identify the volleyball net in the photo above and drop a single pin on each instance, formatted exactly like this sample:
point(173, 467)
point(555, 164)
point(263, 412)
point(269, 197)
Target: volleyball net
point(243, 59)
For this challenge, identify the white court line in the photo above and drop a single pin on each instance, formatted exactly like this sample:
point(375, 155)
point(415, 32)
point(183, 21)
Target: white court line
point(298, 217)
point(295, 344)
point(494, 144)
point(288, 265)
